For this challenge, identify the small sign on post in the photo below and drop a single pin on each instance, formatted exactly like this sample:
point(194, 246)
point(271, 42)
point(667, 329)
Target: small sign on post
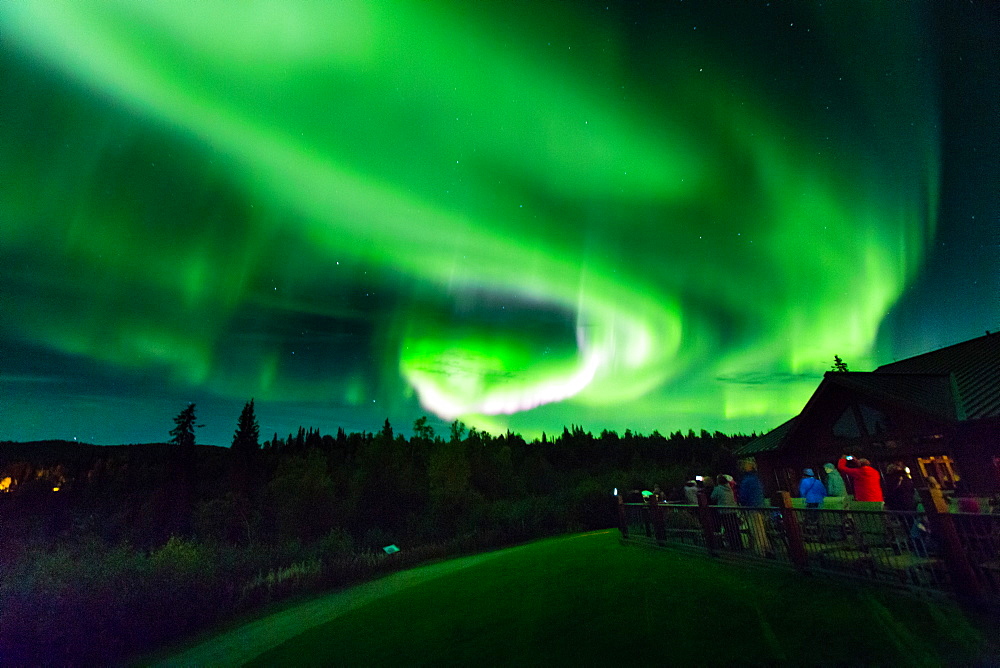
point(390, 549)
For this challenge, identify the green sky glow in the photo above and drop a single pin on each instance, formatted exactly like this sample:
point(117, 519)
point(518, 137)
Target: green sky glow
point(509, 214)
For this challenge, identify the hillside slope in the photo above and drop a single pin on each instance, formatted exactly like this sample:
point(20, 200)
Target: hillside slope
point(587, 600)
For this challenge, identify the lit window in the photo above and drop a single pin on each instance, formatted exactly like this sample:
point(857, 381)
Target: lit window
point(941, 468)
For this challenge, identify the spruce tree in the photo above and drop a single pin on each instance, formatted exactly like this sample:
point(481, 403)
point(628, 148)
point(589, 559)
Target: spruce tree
point(183, 432)
point(247, 436)
point(839, 364)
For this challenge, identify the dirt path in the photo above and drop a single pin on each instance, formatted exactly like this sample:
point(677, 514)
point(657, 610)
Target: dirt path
point(240, 645)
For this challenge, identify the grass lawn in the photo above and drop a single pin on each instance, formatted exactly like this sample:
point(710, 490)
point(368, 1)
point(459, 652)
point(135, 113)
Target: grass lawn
point(588, 600)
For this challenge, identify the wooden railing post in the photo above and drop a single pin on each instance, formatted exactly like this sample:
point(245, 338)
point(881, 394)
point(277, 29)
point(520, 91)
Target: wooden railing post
point(793, 531)
point(622, 519)
point(656, 513)
point(707, 525)
point(942, 527)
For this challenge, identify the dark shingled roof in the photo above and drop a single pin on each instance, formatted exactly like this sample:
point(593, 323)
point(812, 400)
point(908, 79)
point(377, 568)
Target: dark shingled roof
point(926, 392)
point(959, 382)
point(975, 366)
point(769, 441)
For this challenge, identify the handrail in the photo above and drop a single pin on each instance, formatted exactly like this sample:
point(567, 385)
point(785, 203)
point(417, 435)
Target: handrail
point(927, 550)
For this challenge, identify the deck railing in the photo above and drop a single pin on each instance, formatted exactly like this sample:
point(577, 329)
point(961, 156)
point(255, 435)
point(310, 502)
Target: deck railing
point(930, 550)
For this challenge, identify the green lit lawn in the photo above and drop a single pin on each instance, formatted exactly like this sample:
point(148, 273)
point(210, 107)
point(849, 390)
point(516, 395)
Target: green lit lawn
point(587, 600)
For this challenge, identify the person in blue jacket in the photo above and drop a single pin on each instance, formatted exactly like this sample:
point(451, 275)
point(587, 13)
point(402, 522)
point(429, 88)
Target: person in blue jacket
point(811, 489)
point(751, 492)
point(751, 496)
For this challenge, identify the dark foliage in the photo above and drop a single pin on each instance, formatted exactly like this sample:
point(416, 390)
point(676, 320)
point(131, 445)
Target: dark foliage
point(184, 424)
point(247, 436)
point(145, 544)
point(839, 364)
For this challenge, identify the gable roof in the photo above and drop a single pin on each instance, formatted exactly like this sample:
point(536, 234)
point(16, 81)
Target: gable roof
point(956, 383)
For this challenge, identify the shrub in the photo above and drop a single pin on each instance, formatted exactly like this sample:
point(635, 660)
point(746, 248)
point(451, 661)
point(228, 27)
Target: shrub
point(279, 582)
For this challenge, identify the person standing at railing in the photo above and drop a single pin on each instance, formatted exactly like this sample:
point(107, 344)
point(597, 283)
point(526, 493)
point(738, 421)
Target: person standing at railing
point(728, 480)
point(900, 497)
point(867, 479)
point(751, 490)
point(691, 493)
point(707, 485)
point(836, 490)
point(867, 498)
point(723, 497)
point(811, 489)
point(836, 499)
point(899, 489)
point(752, 498)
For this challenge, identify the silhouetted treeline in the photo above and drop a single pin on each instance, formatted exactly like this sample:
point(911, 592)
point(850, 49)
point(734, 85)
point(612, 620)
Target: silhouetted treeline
point(199, 533)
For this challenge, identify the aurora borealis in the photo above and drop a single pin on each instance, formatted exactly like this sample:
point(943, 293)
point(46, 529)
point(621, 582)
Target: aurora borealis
point(523, 215)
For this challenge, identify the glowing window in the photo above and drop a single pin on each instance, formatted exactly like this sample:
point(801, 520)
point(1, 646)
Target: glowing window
point(941, 468)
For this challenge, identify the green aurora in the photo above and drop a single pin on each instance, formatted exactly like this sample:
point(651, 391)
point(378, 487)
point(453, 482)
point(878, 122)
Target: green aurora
point(522, 215)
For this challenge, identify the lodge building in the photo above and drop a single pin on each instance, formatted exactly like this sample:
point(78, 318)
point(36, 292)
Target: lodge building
point(938, 413)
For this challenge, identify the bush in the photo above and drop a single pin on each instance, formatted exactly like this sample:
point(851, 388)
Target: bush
point(336, 543)
point(226, 519)
point(74, 604)
point(280, 582)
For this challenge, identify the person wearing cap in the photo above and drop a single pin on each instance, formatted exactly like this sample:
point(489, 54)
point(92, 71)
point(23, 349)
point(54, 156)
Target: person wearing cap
point(834, 481)
point(836, 490)
point(691, 492)
point(722, 496)
point(811, 489)
point(732, 484)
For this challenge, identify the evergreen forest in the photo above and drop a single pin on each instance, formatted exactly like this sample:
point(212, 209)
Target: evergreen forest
point(109, 552)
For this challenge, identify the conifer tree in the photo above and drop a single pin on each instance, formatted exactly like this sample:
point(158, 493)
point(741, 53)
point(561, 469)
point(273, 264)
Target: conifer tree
point(183, 432)
point(247, 436)
point(839, 364)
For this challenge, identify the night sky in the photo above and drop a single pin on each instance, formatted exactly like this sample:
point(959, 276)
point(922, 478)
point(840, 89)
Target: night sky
point(525, 215)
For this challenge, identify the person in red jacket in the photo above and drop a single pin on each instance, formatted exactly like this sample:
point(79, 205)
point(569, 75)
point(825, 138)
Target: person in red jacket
point(870, 525)
point(867, 480)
